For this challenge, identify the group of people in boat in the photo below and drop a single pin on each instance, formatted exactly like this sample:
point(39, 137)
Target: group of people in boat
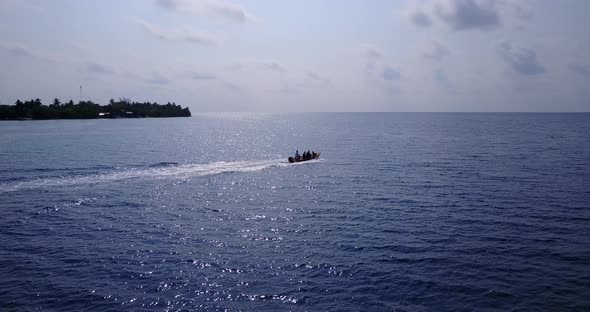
point(306, 155)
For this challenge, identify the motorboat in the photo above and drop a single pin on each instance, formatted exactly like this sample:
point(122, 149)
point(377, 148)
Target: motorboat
point(313, 156)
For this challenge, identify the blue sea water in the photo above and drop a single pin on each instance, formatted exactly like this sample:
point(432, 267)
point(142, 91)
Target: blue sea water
point(403, 212)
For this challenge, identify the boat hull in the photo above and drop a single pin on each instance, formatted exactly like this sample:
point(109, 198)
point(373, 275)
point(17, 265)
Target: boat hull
point(292, 160)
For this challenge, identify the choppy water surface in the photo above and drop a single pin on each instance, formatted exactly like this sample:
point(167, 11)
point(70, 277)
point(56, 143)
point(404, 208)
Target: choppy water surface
point(404, 212)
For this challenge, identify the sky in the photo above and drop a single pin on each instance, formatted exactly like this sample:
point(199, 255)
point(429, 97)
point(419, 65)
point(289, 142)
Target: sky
point(301, 55)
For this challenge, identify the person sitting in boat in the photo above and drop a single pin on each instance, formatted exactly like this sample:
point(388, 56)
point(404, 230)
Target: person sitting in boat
point(308, 155)
point(313, 154)
point(297, 156)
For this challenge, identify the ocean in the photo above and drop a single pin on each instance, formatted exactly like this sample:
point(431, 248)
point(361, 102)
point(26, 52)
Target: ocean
point(402, 212)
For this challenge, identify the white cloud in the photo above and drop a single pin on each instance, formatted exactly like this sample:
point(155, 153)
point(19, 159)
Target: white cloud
point(468, 14)
point(521, 60)
point(461, 15)
point(158, 78)
point(267, 65)
point(371, 52)
point(419, 18)
point(194, 74)
point(441, 78)
point(516, 8)
point(191, 36)
point(202, 76)
point(20, 50)
point(435, 51)
point(373, 58)
point(376, 66)
point(580, 69)
point(580, 58)
point(230, 11)
point(216, 8)
point(17, 49)
point(309, 82)
point(390, 73)
point(316, 78)
point(270, 65)
point(98, 68)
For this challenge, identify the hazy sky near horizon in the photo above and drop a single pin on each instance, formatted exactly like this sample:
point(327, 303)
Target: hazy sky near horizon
point(301, 55)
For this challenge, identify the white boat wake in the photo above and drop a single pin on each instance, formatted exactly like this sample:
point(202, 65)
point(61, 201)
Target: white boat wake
point(164, 171)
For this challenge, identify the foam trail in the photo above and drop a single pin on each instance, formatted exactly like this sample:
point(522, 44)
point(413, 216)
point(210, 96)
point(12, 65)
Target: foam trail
point(165, 172)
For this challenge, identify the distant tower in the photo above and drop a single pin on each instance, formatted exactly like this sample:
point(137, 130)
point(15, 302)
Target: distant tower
point(80, 93)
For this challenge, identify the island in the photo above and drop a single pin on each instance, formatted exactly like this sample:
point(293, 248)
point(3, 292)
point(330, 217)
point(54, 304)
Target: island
point(124, 108)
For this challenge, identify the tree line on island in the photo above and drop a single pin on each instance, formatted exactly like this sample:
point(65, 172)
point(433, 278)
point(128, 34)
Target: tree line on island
point(123, 108)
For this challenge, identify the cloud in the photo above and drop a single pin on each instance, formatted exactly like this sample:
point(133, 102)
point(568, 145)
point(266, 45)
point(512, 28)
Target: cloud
point(98, 68)
point(291, 90)
point(158, 78)
point(469, 14)
point(168, 4)
point(191, 36)
point(267, 65)
point(523, 61)
point(441, 78)
point(81, 64)
point(23, 51)
point(516, 8)
point(203, 76)
point(309, 81)
point(389, 73)
point(435, 51)
point(315, 78)
point(199, 75)
point(218, 8)
point(461, 15)
point(579, 69)
point(372, 57)
point(231, 12)
point(419, 18)
point(230, 86)
point(371, 52)
point(376, 66)
point(237, 66)
point(17, 49)
point(270, 65)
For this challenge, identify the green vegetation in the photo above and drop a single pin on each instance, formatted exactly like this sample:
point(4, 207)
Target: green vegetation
point(123, 108)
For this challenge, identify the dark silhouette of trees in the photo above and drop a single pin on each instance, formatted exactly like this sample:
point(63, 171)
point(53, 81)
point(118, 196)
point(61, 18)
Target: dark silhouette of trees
point(123, 108)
